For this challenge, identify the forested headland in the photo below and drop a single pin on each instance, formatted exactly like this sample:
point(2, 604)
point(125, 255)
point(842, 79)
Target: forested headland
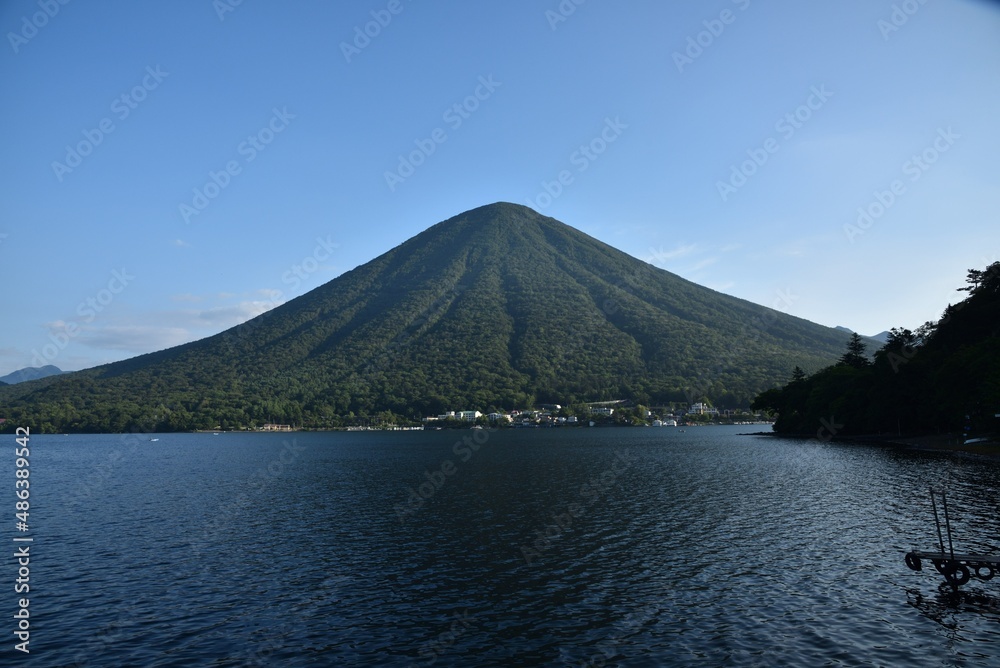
point(944, 377)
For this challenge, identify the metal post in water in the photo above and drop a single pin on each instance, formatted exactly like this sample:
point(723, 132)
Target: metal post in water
point(937, 522)
point(947, 524)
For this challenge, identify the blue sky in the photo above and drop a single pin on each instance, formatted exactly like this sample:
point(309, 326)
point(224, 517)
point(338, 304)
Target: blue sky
point(172, 169)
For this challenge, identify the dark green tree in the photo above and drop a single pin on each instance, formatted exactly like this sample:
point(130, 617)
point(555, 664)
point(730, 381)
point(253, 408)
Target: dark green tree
point(856, 355)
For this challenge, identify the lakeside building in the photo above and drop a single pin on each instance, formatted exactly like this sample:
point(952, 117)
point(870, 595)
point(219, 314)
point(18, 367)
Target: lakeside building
point(276, 427)
point(467, 416)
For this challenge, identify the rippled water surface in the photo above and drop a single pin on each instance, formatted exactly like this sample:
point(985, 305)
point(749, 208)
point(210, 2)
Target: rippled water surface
point(633, 547)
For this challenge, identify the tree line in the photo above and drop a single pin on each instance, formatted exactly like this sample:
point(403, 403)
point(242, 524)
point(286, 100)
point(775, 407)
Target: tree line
point(942, 377)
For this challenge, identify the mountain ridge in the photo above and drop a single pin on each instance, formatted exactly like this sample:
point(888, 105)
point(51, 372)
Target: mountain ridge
point(497, 307)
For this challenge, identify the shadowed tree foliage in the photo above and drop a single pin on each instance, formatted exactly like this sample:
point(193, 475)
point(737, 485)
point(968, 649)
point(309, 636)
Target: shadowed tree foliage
point(856, 355)
point(926, 381)
point(499, 307)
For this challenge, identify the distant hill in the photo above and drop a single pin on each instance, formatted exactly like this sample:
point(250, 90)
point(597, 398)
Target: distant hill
point(30, 373)
point(499, 307)
point(881, 337)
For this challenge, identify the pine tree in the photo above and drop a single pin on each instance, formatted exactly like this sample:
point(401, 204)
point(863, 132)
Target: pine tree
point(856, 355)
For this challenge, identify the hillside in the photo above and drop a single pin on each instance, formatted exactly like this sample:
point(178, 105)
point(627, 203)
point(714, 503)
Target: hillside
point(944, 377)
point(499, 307)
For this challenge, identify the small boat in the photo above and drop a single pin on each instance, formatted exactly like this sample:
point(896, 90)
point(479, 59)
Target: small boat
point(153, 440)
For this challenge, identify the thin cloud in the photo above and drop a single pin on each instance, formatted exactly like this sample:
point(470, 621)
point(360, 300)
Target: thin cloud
point(230, 316)
point(660, 256)
point(134, 339)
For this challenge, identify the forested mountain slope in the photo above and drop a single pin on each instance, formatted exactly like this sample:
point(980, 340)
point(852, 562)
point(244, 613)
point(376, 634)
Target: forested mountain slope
point(499, 307)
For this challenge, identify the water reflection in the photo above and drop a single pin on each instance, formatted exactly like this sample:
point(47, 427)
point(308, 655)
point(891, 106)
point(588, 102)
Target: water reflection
point(949, 608)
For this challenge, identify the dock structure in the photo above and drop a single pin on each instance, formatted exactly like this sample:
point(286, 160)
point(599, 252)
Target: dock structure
point(957, 569)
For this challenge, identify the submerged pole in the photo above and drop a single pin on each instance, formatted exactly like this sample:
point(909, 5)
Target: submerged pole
point(937, 522)
point(947, 524)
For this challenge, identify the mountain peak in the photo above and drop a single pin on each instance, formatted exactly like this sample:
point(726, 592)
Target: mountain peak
point(504, 215)
point(500, 208)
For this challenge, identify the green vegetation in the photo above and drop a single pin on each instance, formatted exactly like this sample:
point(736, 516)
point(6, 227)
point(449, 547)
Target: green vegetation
point(926, 381)
point(497, 308)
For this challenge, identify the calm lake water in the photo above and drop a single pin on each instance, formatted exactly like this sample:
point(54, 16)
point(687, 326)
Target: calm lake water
point(632, 547)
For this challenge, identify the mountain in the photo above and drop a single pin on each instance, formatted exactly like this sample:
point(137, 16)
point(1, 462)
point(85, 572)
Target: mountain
point(881, 337)
point(499, 307)
point(30, 373)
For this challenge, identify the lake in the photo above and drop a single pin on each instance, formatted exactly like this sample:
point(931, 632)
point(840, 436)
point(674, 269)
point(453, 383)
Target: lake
point(577, 547)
